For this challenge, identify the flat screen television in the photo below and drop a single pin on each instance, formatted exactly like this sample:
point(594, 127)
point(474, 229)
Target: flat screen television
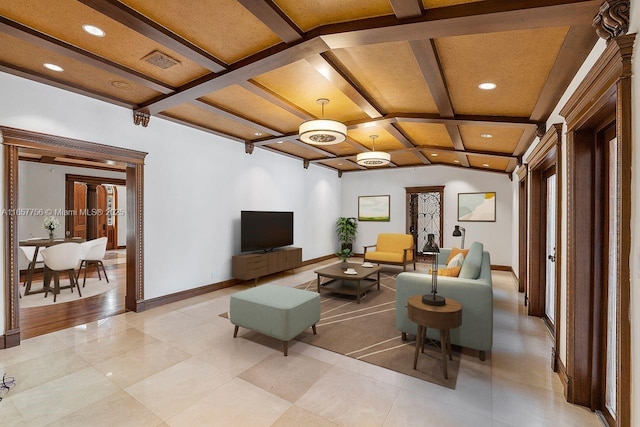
point(264, 231)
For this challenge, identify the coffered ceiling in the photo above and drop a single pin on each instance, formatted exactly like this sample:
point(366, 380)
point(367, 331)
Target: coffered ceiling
point(251, 70)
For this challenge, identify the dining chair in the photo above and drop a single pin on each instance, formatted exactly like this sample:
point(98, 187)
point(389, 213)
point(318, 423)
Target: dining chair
point(27, 255)
point(93, 252)
point(60, 258)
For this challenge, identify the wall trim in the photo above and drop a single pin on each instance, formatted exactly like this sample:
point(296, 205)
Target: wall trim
point(186, 294)
point(562, 374)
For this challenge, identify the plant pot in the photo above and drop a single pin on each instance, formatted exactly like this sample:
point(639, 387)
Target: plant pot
point(344, 264)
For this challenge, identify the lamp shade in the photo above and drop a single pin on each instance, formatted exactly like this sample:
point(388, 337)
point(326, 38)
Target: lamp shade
point(456, 231)
point(322, 132)
point(373, 158)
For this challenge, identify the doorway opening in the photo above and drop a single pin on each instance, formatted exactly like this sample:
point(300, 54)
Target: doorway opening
point(17, 142)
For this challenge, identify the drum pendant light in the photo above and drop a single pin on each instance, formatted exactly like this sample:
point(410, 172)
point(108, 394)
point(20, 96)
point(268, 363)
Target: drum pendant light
point(322, 131)
point(373, 157)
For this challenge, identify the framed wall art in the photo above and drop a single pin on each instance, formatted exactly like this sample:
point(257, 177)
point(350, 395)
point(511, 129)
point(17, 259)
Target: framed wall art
point(374, 208)
point(477, 207)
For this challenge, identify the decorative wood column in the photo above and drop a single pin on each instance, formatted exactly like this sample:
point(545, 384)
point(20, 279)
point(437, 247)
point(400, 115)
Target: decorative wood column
point(11, 274)
point(134, 299)
point(92, 205)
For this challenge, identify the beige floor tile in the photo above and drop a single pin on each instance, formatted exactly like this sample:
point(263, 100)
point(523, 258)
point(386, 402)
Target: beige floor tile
point(515, 343)
point(118, 409)
point(30, 349)
point(378, 373)
point(53, 400)
point(526, 369)
point(472, 392)
point(172, 390)
point(34, 372)
point(90, 331)
point(9, 414)
point(519, 404)
point(168, 325)
point(113, 345)
point(412, 409)
point(349, 399)
point(298, 417)
point(318, 353)
point(236, 403)
point(142, 362)
point(235, 355)
point(287, 377)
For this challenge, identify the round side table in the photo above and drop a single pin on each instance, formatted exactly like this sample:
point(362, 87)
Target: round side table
point(443, 317)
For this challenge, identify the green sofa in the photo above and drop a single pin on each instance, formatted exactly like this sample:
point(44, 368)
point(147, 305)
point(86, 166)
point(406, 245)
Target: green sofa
point(473, 289)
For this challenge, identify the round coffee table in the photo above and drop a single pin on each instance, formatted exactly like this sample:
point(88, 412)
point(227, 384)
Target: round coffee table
point(443, 317)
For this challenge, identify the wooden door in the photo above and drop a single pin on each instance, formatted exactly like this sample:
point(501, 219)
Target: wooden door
point(102, 212)
point(112, 225)
point(79, 209)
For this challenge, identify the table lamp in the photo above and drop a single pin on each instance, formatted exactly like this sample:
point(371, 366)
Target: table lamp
point(431, 248)
point(457, 232)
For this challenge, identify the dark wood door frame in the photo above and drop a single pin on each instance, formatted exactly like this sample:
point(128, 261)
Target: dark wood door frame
point(70, 179)
point(604, 93)
point(523, 229)
point(13, 141)
point(546, 156)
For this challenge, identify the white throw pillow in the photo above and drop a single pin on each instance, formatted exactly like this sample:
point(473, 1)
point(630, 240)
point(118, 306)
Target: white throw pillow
point(456, 261)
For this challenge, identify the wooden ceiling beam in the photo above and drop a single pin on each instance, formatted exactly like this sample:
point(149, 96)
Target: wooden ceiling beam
point(198, 127)
point(269, 95)
point(463, 19)
point(471, 18)
point(513, 164)
point(313, 148)
point(464, 161)
point(497, 121)
point(576, 47)
point(129, 17)
point(44, 41)
point(234, 116)
point(50, 81)
point(404, 9)
point(427, 58)
point(332, 72)
point(525, 141)
point(286, 137)
point(262, 62)
point(274, 18)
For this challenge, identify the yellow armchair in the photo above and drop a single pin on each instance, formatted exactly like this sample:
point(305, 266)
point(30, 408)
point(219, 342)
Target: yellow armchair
point(392, 248)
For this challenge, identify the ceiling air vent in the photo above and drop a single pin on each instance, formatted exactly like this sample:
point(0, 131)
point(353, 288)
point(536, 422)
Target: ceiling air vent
point(160, 60)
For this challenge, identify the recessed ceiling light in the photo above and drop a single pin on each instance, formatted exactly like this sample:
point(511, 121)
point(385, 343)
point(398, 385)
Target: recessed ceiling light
point(486, 135)
point(339, 164)
point(280, 142)
point(369, 125)
point(485, 165)
point(257, 133)
point(93, 30)
point(456, 161)
point(53, 67)
point(434, 155)
point(487, 86)
point(121, 85)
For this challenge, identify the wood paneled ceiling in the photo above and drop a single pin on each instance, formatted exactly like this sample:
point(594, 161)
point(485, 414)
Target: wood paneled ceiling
point(251, 70)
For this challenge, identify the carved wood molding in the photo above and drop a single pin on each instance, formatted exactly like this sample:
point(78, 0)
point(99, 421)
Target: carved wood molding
point(11, 274)
point(141, 118)
point(599, 84)
point(69, 146)
point(248, 147)
point(549, 141)
point(612, 19)
point(522, 172)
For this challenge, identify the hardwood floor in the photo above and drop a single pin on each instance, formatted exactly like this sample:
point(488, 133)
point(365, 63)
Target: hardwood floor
point(36, 321)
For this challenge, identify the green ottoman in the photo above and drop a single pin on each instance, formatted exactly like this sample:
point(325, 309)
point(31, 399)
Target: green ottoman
point(275, 311)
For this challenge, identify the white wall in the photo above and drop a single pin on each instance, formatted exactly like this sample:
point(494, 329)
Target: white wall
point(41, 187)
point(121, 220)
point(496, 236)
point(195, 185)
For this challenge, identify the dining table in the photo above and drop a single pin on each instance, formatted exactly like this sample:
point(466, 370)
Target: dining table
point(42, 243)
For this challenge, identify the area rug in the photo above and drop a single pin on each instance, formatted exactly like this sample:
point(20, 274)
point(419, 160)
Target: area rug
point(367, 332)
point(93, 287)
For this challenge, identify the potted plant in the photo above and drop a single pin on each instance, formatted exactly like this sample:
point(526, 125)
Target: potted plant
point(344, 255)
point(346, 228)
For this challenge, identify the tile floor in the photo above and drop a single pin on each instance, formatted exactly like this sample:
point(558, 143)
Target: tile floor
point(178, 365)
